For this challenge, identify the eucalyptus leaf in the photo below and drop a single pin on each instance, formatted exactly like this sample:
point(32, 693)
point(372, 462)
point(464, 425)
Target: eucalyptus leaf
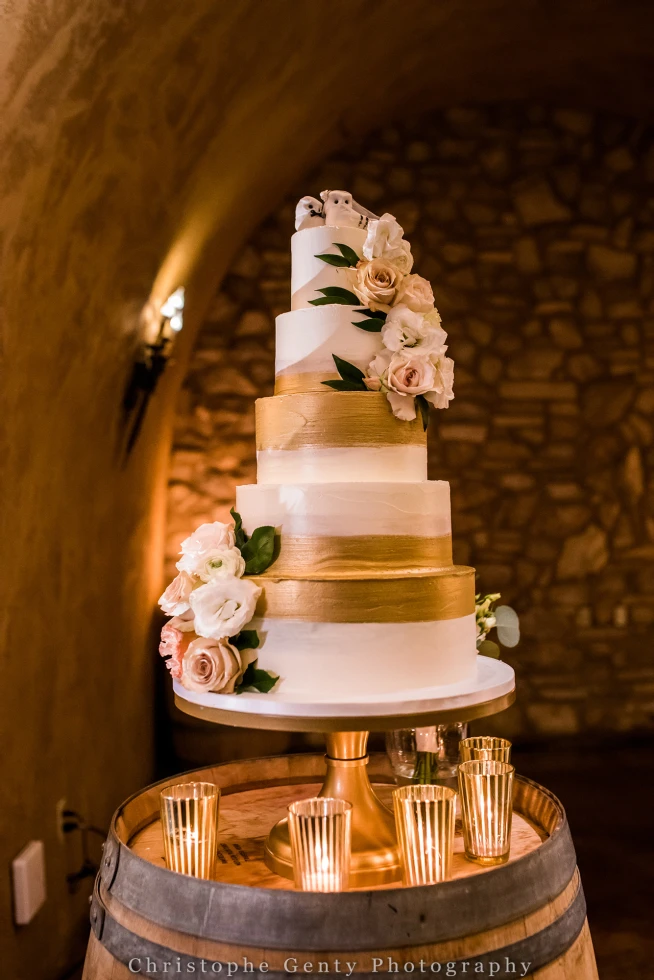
point(339, 385)
point(373, 325)
point(489, 649)
point(423, 405)
point(337, 260)
point(508, 626)
point(258, 551)
point(347, 253)
point(246, 640)
point(239, 534)
point(349, 372)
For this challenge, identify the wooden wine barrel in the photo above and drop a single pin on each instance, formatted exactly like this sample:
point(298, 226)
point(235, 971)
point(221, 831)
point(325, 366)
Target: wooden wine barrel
point(524, 918)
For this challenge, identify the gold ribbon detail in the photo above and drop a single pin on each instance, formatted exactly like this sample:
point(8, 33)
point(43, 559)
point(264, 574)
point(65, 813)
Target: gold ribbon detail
point(326, 419)
point(298, 384)
point(360, 554)
point(426, 597)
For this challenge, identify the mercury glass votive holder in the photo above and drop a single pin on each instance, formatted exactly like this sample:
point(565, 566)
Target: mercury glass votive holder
point(189, 819)
point(485, 747)
point(424, 817)
point(321, 841)
point(486, 789)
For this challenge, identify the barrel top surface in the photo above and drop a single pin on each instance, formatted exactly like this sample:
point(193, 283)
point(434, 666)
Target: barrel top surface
point(247, 817)
point(248, 903)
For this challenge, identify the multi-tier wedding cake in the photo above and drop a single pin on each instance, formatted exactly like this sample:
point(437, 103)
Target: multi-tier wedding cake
point(336, 580)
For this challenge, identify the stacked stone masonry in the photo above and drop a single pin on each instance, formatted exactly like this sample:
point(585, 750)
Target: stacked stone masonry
point(536, 228)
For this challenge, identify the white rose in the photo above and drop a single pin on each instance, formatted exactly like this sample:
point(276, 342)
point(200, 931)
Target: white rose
point(207, 538)
point(220, 563)
point(175, 599)
point(211, 665)
point(376, 285)
point(442, 392)
point(406, 329)
point(385, 240)
point(403, 375)
point(416, 293)
point(223, 607)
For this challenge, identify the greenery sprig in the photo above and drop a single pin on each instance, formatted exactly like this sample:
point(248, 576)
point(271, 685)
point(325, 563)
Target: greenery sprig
point(351, 376)
point(258, 550)
point(348, 259)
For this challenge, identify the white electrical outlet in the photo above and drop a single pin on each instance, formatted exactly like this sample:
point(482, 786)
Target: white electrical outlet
point(28, 874)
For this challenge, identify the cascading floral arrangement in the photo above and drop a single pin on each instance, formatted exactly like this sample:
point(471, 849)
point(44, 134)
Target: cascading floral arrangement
point(412, 368)
point(206, 644)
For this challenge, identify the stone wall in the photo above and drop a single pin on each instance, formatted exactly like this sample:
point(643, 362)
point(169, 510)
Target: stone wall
point(536, 228)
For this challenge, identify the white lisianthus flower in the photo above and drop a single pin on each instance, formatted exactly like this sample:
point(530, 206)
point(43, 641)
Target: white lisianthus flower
point(207, 538)
point(220, 563)
point(442, 392)
point(385, 240)
point(406, 329)
point(376, 284)
point(223, 606)
point(211, 665)
point(416, 293)
point(175, 599)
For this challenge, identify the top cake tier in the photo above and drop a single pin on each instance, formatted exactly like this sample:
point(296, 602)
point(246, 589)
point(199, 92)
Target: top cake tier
point(310, 274)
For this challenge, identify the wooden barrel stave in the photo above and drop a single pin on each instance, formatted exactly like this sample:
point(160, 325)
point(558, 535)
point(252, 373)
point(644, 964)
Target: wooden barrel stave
point(532, 909)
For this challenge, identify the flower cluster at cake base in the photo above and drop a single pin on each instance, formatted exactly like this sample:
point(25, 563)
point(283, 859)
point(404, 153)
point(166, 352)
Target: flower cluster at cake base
point(412, 367)
point(207, 644)
point(489, 616)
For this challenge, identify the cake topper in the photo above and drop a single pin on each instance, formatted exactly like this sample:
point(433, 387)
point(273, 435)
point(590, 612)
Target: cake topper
point(337, 208)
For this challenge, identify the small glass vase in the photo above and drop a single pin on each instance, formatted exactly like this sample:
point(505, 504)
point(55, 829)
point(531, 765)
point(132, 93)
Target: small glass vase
point(426, 755)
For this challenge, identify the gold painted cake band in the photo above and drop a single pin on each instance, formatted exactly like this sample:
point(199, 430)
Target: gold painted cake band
point(320, 420)
point(296, 384)
point(361, 554)
point(446, 594)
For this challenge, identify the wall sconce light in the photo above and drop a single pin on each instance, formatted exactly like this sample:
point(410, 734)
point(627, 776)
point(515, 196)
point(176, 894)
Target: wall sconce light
point(163, 326)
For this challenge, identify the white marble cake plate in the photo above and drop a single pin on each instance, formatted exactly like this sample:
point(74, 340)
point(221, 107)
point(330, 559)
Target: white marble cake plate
point(490, 691)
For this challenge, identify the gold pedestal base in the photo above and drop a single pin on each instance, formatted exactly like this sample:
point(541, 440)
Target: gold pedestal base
point(375, 854)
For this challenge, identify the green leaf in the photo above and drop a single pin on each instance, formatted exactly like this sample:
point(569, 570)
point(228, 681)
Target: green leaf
point(345, 385)
point(372, 326)
point(508, 626)
point(329, 301)
point(340, 295)
point(347, 253)
point(489, 649)
point(239, 534)
point(423, 405)
point(259, 680)
point(349, 372)
point(338, 260)
point(246, 640)
point(376, 315)
point(259, 550)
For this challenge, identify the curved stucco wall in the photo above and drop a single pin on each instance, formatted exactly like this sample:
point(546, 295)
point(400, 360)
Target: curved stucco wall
point(140, 144)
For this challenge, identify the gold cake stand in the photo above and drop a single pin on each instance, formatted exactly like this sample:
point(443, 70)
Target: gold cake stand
point(375, 854)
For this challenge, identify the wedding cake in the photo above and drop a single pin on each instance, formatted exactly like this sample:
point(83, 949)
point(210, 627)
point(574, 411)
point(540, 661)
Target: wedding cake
point(336, 580)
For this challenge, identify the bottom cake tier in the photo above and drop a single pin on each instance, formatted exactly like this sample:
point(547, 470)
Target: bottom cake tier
point(328, 636)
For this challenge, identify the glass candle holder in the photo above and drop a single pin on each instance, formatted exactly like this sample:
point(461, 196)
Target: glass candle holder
point(486, 747)
point(424, 817)
point(486, 789)
point(189, 818)
point(321, 841)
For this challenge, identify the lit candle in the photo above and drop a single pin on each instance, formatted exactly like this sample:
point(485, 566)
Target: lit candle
point(321, 832)
point(486, 788)
point(189, 817)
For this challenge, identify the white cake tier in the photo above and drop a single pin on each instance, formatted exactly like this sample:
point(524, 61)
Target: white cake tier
point(356, 464)
point(348, 509)
point(308, 274)
point(307, 339)
point(325, 661)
